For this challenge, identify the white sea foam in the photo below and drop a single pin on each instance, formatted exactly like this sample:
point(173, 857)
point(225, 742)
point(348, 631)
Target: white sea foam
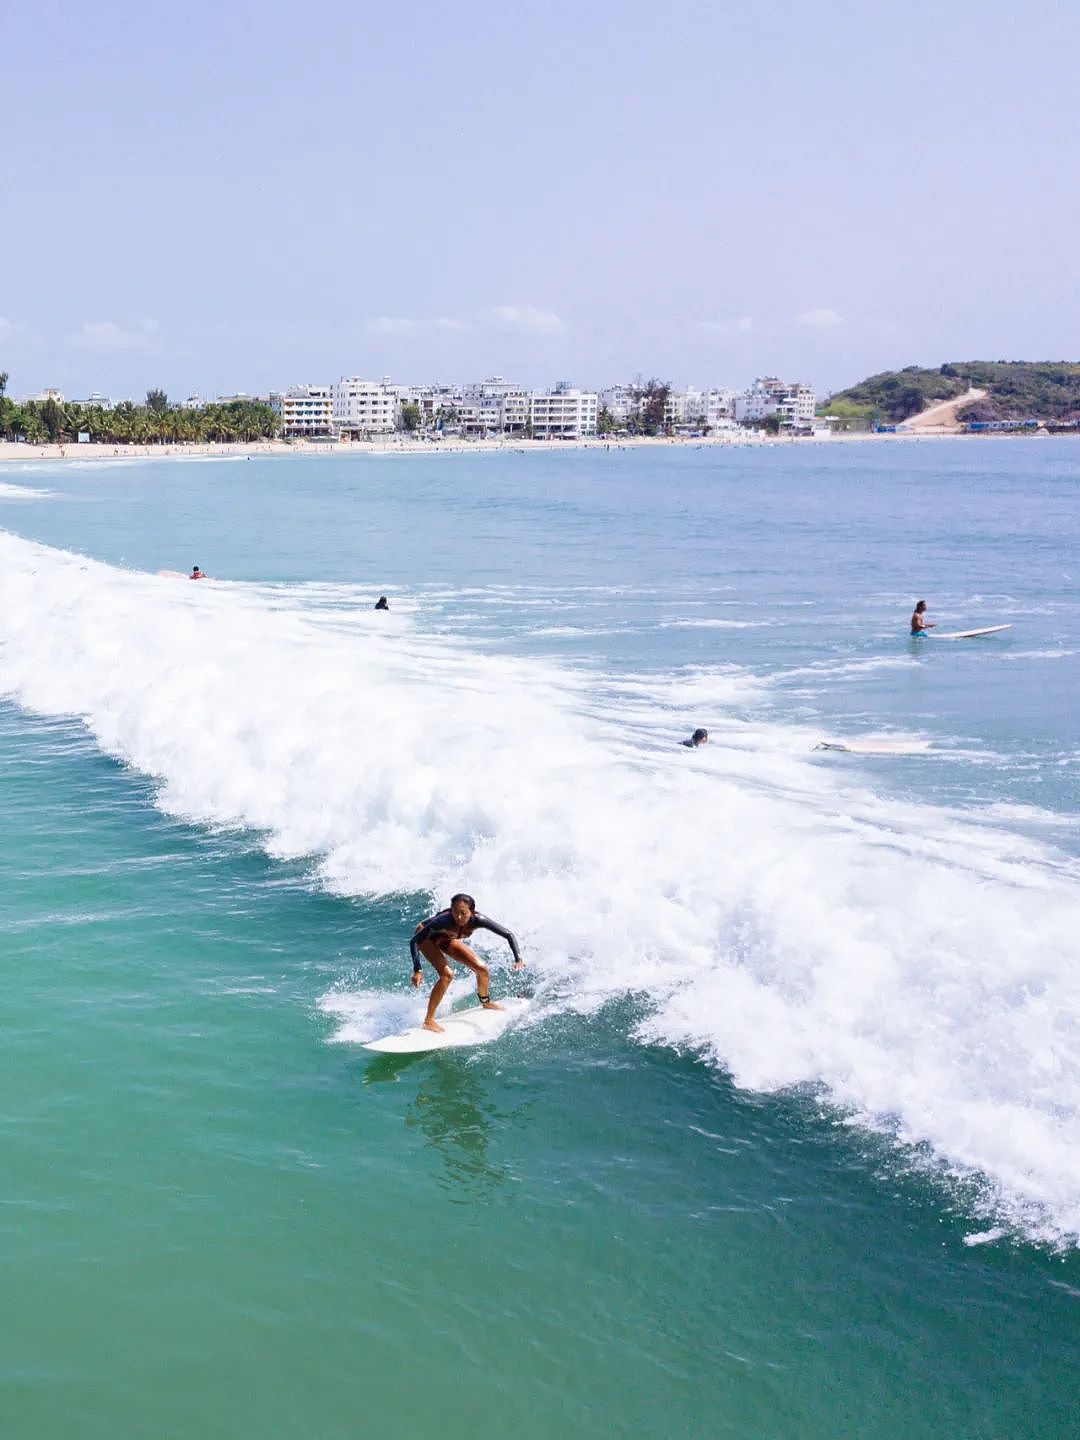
point(830, 669)
point(21, 492)
point(712, 624)
point(365, 1014)
point(775, 917)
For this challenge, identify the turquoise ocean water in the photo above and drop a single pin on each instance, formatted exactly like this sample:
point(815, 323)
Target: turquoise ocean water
point(789, 1145)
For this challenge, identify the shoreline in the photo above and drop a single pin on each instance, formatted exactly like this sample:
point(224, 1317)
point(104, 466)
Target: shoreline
point(11, 450)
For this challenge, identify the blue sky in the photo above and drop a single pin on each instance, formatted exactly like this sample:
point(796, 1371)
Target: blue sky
point(241, 196)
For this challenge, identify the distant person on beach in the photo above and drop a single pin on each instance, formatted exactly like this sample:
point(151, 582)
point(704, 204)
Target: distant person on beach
point(441, 939)
point(196, 574)
point(919, 622)
point(699, 737)
point(382, 603)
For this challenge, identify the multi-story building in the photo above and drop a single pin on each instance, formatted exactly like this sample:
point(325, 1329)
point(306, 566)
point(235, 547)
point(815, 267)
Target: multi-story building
point(305, 410)
point(433, 399)
point(495, 406)
point(680, 408)
point(791, 401)
point(365, 407)
point(563, 413)
point(707, 409)
point(620, 402)
point(719, 408)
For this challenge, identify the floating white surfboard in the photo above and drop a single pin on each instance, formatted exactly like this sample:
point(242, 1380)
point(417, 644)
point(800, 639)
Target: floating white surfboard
point(876, 747)
point(475, 1026)
point(971, 634)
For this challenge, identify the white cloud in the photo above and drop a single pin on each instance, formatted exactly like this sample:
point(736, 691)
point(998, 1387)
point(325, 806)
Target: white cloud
point(727, 327)
point(400, 325)
point(525, 320)
point(822, 319)
point(8, 329)
point(106, 335)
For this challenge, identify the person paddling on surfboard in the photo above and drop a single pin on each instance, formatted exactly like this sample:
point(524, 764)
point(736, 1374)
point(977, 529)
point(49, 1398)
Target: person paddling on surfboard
point(196, 573)
point(442, 938)
point(919, 622)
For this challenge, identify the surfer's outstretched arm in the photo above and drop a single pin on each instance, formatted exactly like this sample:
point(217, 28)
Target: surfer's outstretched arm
point(426, 930)
point(414, 951)
point(482, 922)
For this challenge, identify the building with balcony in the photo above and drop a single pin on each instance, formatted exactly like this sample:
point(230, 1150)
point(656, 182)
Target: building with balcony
point(791, 401)
point(365, 407)
point(706, 409)
point(495, 406)
point(305, 410)
point(620, 402)
point(563, 413)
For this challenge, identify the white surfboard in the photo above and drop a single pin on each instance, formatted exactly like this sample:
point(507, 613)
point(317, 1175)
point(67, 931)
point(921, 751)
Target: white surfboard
point(474, 1026)
point(971, 634)
point(876, 747)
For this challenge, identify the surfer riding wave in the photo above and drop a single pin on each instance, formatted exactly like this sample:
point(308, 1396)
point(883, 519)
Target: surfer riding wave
point(442, 937)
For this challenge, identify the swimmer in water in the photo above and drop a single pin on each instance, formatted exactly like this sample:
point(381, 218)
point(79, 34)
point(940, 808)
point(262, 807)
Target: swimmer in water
point(442, 939)
point(699, 737)
point(196, 574)
point(919, 622)
point(382, 603)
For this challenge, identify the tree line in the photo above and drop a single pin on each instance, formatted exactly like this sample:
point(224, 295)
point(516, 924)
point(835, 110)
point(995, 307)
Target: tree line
point(154, 423)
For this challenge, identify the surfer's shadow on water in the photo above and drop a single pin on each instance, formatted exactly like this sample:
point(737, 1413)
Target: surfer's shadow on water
point(454, 1111)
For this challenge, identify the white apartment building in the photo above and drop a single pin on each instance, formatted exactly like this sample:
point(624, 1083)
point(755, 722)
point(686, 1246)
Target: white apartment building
point(792, 401)
point(431, 399)
point(679, 407)
point(719, 408)
point(563, 413)
point(496, 406)
point(305, 410)
point(365, 407)
point(707, 409)
point(620, 403)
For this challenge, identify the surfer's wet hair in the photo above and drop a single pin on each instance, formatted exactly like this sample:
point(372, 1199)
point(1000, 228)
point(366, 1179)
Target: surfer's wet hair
point(468, 901)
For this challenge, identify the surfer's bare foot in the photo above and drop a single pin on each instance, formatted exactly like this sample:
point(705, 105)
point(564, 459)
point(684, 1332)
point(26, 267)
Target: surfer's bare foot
point(432, 1025)
point(492, 1005)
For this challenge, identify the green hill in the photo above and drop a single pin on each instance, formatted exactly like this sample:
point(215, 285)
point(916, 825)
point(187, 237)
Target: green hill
point(1043, 390)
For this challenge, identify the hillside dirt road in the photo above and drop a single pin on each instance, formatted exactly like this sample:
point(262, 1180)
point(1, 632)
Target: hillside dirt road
point(941, 419)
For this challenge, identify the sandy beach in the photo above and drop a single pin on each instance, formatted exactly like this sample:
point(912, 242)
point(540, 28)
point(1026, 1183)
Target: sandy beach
point(402, 445)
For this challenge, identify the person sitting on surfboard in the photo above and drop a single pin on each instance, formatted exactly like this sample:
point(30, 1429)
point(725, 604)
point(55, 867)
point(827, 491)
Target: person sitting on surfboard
point(382, 603)
point(442, 938)
point(919, 622)
point(196, 574)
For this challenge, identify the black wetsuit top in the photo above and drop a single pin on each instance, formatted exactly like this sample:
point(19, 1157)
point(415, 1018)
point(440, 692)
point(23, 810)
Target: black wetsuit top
point(443, 928)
